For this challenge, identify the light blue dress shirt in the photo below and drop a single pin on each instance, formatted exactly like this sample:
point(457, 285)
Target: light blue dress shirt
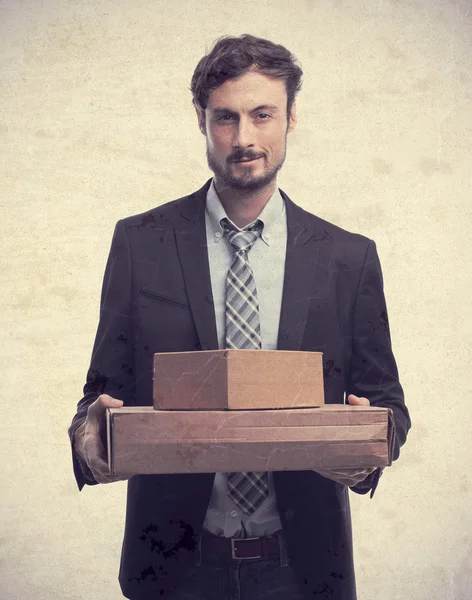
point(267, 259)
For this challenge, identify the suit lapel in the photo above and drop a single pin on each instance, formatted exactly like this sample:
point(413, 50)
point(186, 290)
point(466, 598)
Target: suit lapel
point(190, 237)
point(301, 267)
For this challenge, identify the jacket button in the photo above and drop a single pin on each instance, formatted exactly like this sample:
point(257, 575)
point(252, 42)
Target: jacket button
point(289, 514)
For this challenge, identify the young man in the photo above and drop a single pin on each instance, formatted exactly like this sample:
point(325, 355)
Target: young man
point(238, 264)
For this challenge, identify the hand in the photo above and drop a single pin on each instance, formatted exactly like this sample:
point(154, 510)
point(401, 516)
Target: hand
point(352, 476)
point(347, 477)
point(88, 441)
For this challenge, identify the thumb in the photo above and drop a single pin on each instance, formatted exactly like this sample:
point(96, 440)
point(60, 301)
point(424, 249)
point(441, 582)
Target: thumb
point(115, 403)
point(97, 409)
point(106, 401)
point(357, 401)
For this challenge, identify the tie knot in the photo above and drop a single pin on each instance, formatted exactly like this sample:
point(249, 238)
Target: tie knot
point(242, 240)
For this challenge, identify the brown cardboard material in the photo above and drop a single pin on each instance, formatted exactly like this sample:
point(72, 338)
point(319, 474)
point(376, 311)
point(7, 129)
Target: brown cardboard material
point(237, 380)
point(142, 440)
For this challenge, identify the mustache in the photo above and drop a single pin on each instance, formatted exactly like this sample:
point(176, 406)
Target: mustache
point(243, 155)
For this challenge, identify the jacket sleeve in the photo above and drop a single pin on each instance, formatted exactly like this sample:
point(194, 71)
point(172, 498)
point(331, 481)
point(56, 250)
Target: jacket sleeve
point(111, 368)
point(373, 372)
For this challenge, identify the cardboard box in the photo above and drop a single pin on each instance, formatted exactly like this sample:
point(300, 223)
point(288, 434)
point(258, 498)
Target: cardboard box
point(142, 440)
point(237, 380)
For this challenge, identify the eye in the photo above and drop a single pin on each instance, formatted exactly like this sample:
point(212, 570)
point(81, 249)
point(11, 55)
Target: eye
point(264, 116)
point(226, 118)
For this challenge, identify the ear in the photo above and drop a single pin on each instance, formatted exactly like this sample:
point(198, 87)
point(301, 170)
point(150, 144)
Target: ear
point(201, 119)
point(292, 118)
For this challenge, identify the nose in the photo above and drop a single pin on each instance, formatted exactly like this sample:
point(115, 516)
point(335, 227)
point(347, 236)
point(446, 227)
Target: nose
point(243, 134)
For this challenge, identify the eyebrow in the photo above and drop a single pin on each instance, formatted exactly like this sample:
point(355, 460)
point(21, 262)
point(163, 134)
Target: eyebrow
point(221, 110)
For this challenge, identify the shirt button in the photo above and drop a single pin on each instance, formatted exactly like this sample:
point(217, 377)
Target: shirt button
point(217, 235)
point(234, 513)
point(289, 514)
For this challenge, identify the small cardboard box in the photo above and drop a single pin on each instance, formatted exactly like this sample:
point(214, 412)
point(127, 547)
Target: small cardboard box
point(237, 380)
point(142, 440)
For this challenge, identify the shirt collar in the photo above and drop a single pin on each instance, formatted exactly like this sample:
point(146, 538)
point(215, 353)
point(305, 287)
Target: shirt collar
point(270, 214)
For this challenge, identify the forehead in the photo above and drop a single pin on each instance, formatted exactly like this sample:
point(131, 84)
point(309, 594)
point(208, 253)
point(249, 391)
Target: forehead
point(249, 90)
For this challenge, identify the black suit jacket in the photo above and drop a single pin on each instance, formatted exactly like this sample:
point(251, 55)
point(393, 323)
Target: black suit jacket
point(157, 297)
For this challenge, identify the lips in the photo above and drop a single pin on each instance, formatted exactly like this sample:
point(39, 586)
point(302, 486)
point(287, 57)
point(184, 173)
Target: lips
point(245, 160)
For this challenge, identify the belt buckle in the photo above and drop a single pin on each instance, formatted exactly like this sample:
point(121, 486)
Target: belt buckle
point(233, 548)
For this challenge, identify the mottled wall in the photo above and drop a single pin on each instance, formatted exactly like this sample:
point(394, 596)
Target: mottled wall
point(96, 124)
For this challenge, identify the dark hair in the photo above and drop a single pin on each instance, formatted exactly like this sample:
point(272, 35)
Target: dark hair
point(232, 56)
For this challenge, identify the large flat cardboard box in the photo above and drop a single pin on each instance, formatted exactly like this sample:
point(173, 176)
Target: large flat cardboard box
point(237, 380)
point(142, 440)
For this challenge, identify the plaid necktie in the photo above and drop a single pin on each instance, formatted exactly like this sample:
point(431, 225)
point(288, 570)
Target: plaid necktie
point(243, 331)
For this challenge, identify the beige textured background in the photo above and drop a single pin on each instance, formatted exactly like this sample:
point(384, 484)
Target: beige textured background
point(96, 124)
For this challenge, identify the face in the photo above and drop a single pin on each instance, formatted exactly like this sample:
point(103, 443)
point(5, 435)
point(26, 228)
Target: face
point(246, 126)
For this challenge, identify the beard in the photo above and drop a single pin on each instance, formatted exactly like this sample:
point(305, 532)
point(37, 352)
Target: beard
point(245, 180)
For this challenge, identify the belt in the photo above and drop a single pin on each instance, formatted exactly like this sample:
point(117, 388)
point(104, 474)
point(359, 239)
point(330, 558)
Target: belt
point(240, 548)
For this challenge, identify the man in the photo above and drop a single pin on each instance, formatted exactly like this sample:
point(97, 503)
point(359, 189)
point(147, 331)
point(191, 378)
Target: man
point(238, 264)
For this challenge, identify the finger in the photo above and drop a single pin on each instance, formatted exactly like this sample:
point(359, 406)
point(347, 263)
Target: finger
point(358, 401)
point(349, 481)
point(353, 472)
point(103, 475)
point(94, 449)
point(100, 470)
point(104, 401)
point(97, 461)
point(342, 476)
point(107, 477)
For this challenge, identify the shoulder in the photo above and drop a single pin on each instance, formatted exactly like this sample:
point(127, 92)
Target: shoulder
point(337, 234)
point(189, 208)
point(346, 245)
point(160, 217)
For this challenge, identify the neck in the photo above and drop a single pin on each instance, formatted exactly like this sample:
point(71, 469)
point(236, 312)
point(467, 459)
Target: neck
point(244, 206)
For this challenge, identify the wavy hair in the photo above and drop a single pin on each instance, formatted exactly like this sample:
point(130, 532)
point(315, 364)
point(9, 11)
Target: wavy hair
point(231, 57)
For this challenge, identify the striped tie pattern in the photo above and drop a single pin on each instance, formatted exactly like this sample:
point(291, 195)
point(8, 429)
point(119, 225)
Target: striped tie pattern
point(243, 331)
